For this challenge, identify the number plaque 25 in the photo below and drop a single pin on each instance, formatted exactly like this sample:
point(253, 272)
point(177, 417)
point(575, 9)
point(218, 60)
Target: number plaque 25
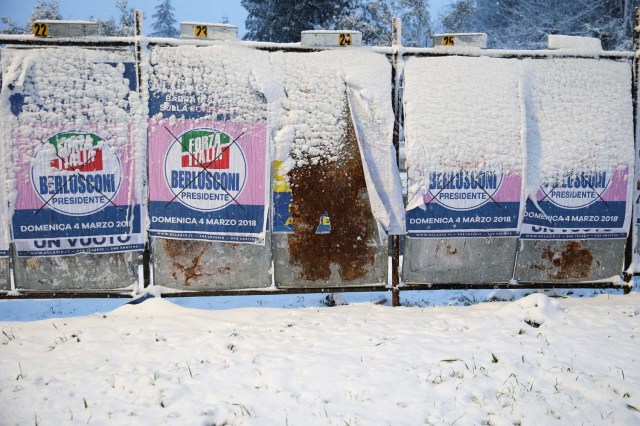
point(448, 41)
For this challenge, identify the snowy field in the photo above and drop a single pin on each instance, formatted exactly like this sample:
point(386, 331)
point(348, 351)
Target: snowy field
point(536, 360)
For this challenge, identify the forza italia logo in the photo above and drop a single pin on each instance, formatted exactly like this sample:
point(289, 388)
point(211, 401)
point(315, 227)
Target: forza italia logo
point(205, 169)
point(76, 173)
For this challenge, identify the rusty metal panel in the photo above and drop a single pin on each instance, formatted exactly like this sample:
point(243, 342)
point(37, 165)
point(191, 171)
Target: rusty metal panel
point(569, 261)
point(203, 265)
point(5, 282)
point(459, 260)
point(351, 253)
point(83, 271)
point(325, 233)
point(318, 268)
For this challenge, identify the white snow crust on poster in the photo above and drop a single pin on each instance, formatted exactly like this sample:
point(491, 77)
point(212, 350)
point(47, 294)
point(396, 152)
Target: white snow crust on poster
point(568, 120)
point(72, 122)
point(208, 142)
point(464, 147)
point(580, 148)
point(309, 126)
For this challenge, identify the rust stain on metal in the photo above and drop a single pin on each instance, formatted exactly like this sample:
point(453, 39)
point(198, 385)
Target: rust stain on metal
point(186, 257)
point(573, 261)
point(338, 188)
point(224, 269)
point(449, 248)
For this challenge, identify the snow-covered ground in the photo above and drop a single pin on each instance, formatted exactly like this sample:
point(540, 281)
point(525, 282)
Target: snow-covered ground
point(535, 360)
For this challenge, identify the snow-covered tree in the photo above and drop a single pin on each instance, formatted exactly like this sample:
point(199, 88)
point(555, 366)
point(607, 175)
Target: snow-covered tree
point(259, 14)
point(458, 16)
point(373, 19)
point(613, 23)
point(127, 20)
point(164, 24)
point(526, 23)
point(124, 27)
point(416, 21)
point(11, 26)
point(106, 27)
point(284, 20)
point(42, 10)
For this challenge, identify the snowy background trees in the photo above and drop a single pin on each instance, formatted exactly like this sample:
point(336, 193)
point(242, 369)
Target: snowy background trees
point(164, 23)
point(283, 20)
point(42, 10)
point(514, 24)
point(524, 24)
point(520, 24)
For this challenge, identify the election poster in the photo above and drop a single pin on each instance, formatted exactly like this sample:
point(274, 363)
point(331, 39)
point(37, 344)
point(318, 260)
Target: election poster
point(467, 203)
point(465, 167)
point(580, 206)
point(207, 180)
point(208, 155)
point(73, 146)
point(584, 150)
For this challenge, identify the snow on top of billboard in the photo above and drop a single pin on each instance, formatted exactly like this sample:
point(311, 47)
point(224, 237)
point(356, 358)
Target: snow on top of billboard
point(561, 116)
point(579, 118)
point(228, 79)
point(70, 84)
point(71, 88)
point(461, 113)
point(311, 117)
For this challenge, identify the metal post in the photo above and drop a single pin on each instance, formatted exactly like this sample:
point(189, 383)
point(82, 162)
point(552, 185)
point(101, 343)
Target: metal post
point(636, 59)
point(10, 271)
point(633, 232)
point(137, 14)
point(395, 75)
point(10, 276)
point(145, 259)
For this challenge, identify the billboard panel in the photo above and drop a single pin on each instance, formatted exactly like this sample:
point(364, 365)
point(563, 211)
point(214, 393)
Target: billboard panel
point(73, 127)
point(208, 176)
